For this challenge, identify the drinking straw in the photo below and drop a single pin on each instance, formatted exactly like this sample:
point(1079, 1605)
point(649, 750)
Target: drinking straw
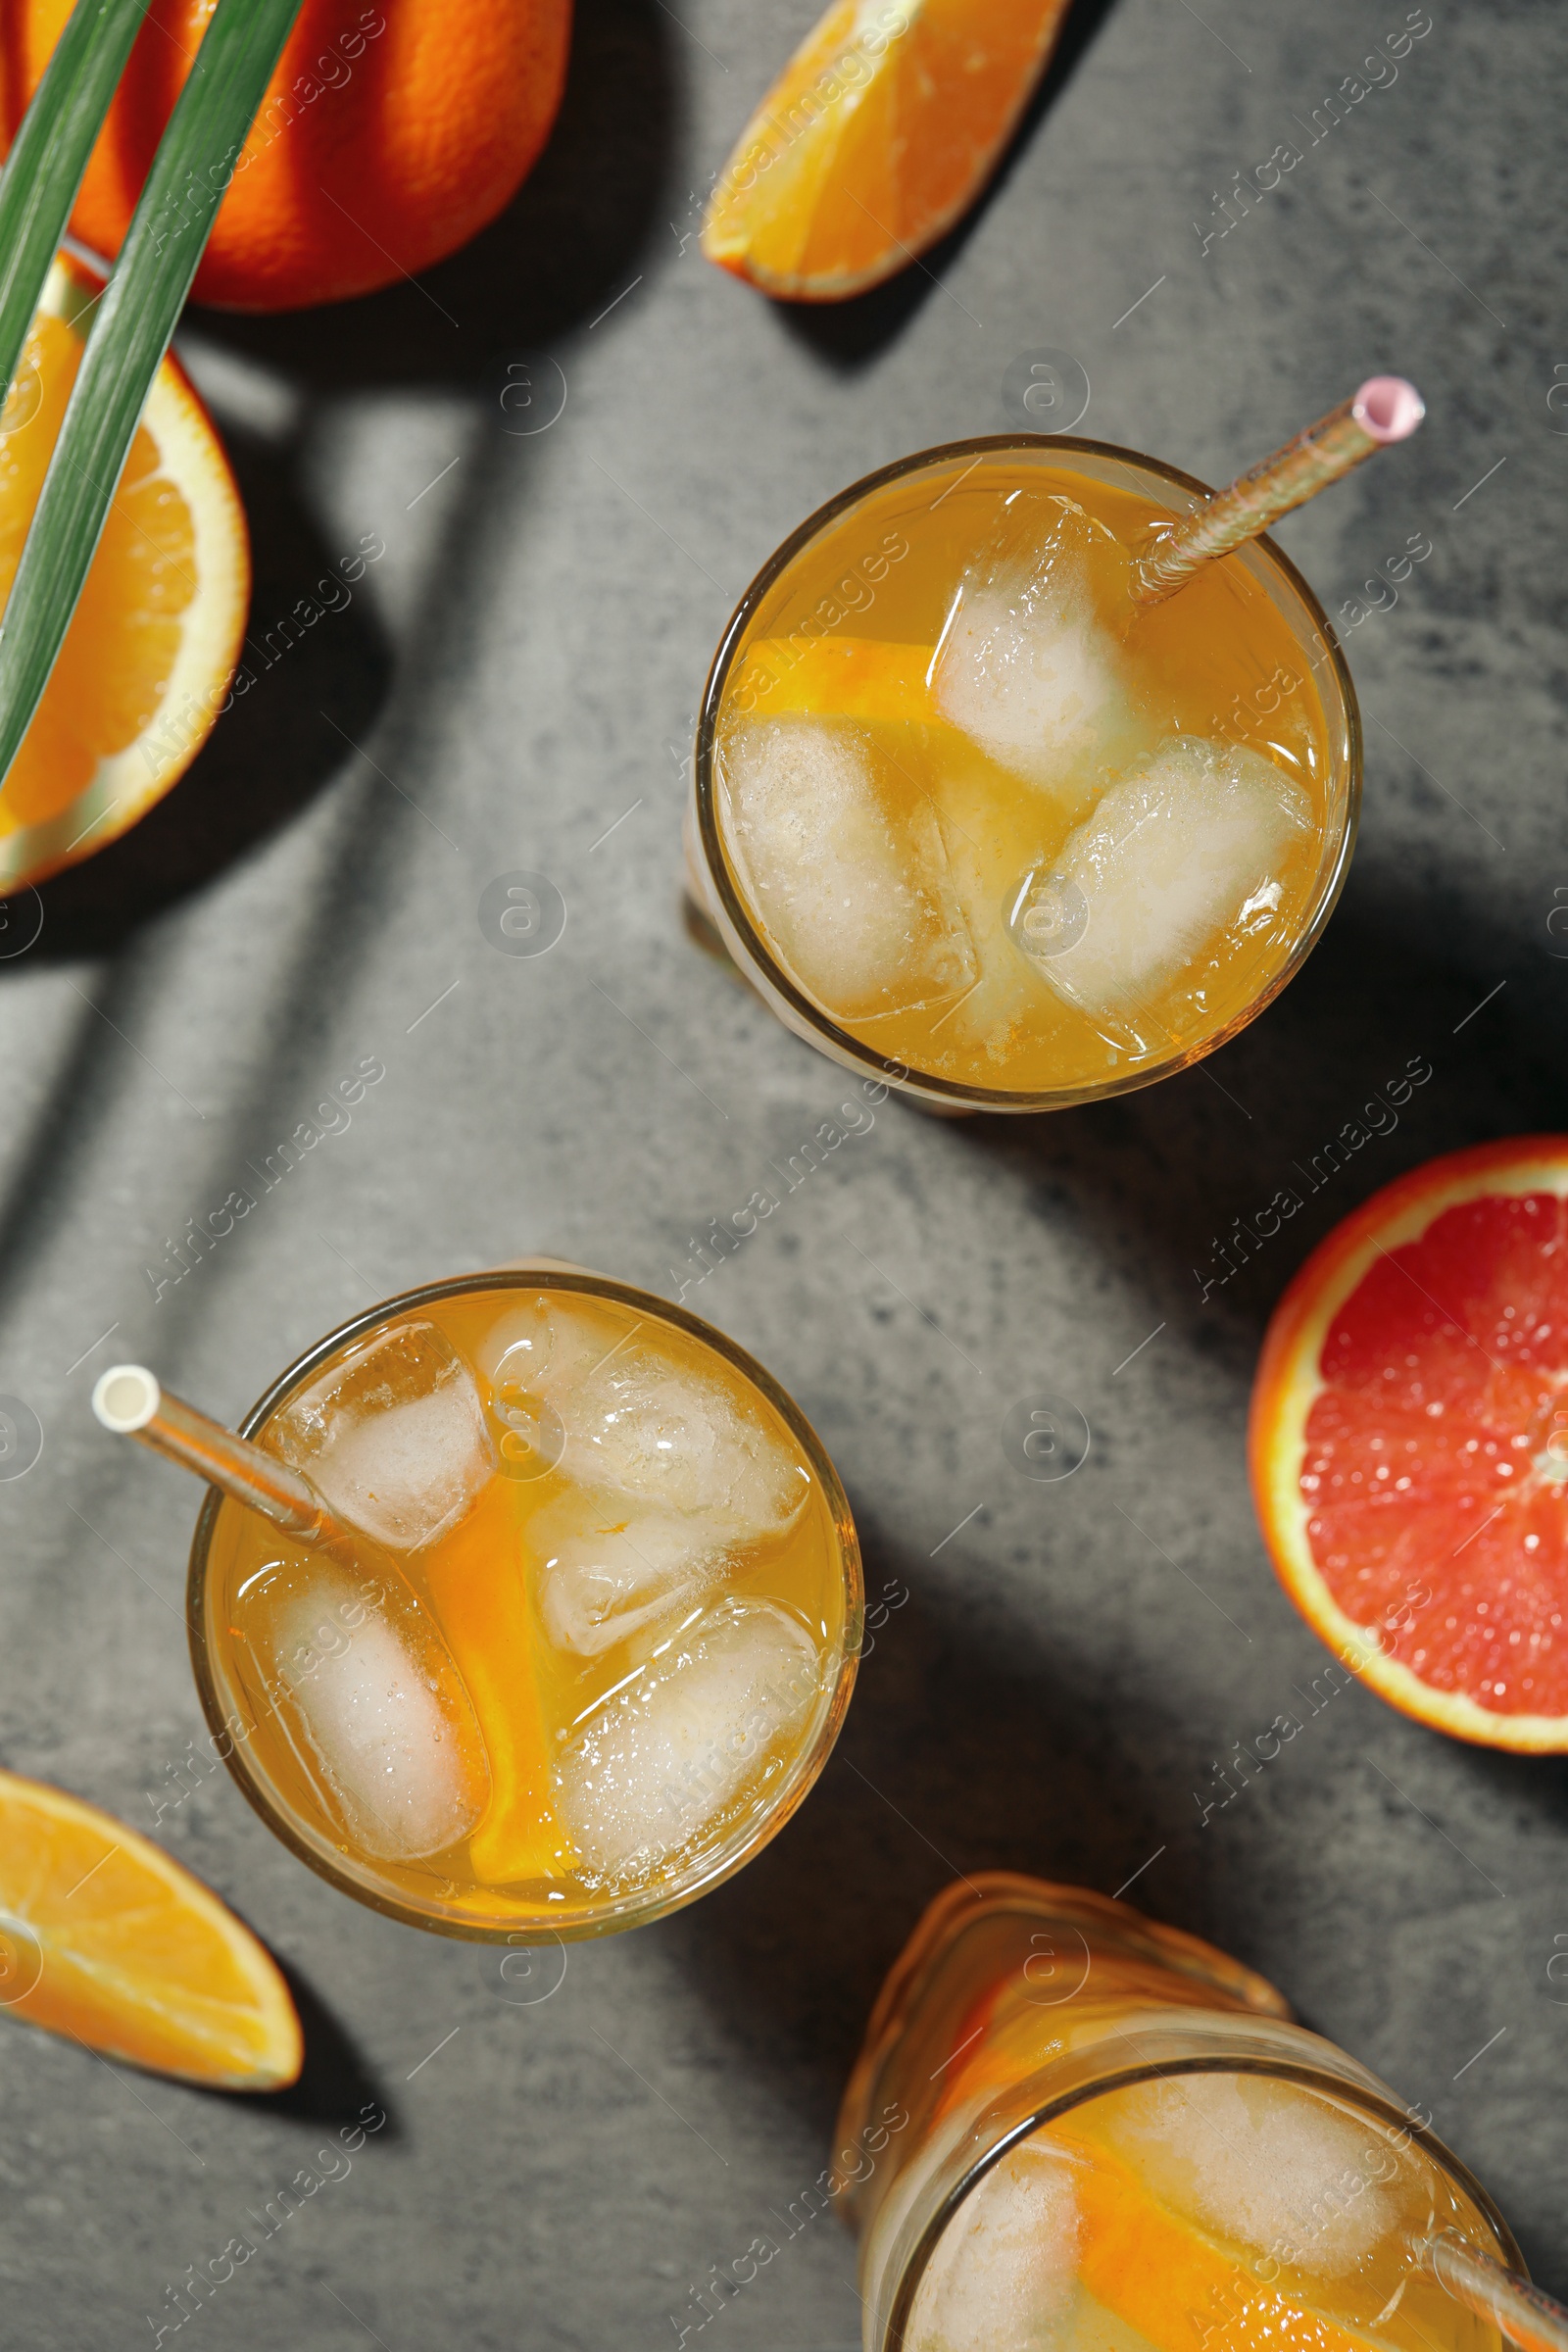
point(1520, 2311)
point(1386, 409)
point(129, 1400)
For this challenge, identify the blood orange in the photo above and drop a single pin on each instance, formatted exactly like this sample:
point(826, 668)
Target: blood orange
point(1409, 1443)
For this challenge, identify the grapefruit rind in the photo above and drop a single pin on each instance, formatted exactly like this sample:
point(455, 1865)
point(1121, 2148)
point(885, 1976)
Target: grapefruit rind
point(1289, 1381)
point(129, 782)
point(150, 1967)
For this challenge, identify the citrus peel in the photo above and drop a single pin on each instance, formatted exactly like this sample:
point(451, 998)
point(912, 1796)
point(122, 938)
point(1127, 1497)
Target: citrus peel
point(878, 136)
point(1409, 1443)
point(105, 1939)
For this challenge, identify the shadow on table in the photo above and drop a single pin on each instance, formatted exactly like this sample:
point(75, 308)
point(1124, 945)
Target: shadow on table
point(968, 1747)
point(1179, 1162)
point(552, 259)
point(336, 2088)
point(850, 334)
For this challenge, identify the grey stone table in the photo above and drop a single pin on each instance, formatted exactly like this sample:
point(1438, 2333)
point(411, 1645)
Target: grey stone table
point(512, 685)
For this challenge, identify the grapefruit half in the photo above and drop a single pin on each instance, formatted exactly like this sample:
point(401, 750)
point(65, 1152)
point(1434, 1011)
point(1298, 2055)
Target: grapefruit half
point(1409, 1443)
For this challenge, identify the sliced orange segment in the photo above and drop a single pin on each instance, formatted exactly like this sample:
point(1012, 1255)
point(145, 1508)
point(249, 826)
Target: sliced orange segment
point(881, 130)
point(1183, 2292)
point(147, 661)
point(107, 1940)
point(836, 677)
point(475, 1583)
point(1409, 1443)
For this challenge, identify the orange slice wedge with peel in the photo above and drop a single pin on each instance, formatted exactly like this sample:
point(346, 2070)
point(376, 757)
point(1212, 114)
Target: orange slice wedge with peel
point(880, 132)
point(476, 1580)
point(1409, 1444)
point(1184, 2292)
point(836, 677)
point(107, 1940)
point(147, 661)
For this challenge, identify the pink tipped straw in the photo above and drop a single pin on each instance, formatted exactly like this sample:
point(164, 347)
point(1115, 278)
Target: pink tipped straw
point(1385, 409)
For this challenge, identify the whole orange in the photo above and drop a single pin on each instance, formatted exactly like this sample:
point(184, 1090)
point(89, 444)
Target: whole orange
point(389, 135)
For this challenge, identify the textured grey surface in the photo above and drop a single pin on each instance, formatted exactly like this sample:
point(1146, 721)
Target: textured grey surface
point(519, 669)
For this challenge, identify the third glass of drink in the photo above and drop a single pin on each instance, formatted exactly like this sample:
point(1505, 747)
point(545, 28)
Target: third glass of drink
point(1072, 2130)
point(973, 815)
point(584, 1625)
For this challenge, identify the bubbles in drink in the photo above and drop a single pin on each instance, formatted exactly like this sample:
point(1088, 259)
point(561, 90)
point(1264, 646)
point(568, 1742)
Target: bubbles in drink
point(846, 867)
point(393, 1438)
point(363, 1687)
point(660, 1768)
point(1184, 850)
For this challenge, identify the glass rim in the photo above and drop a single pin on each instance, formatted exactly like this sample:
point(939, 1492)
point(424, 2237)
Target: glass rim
point(1038, 2113)
point(840, 1042)
point(731, 1856)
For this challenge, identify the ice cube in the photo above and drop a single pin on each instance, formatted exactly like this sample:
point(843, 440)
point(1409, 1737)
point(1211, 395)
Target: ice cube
point(636, 1422)
point(659, 1767)
point(1004, 2275)
point(843, 860)
point(1185, 848)
point(1270, 2165)
point(1024, 667)
point(393, 1439)
point(605, 1575)
point(367, 1693)
point(697, 1446)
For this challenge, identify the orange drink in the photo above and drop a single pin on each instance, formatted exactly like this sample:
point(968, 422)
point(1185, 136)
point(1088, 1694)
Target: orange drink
point(1071, 2130)
point(592, 1633)
point(972, 816)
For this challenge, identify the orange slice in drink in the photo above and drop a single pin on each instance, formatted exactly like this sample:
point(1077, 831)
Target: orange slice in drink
point(878, 134)
point(1158, 2273)
point(1409, 1443)
point(105, 1939)
point(836, 677)
point(475, 1583)
point(147, 661)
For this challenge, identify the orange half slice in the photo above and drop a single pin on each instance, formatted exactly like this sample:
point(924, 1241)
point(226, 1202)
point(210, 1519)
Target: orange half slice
point(146, 664)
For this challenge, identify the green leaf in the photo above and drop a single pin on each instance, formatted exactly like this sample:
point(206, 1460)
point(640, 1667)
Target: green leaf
point(136, 316)
point(49, 154)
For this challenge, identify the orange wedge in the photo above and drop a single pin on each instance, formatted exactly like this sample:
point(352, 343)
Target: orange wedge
point(836, 677)
point(880, 132)
point(1180, 2290)
point(146, 664)
point(484, 1616)
point(105, 1939)
point(1409, 1443)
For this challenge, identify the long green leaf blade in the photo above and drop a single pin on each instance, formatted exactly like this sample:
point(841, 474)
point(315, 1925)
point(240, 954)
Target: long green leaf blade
point(49, 155)
point(136, 316)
